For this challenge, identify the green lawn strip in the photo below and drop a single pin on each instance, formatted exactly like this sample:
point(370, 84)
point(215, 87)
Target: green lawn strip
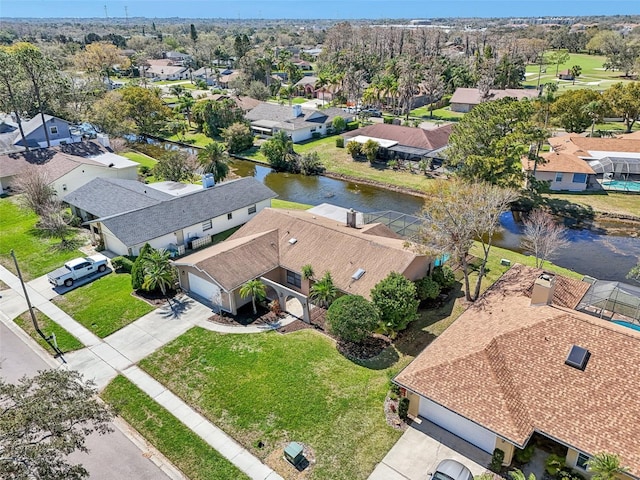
point(66, 341)
point(610, 202)
point(105, 305)
point(186, 450)
point(277, 203)
point(254, 154)
point(274, 388)
point(37, 254)
point(438, 114)
point(143, 159)
point(191, 138)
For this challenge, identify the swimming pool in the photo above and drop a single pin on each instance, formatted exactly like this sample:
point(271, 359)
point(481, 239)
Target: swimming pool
point(622, 185)
point(627, 324)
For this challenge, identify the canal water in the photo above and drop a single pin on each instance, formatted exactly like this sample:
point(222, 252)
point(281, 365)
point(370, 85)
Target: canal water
point(606, 257)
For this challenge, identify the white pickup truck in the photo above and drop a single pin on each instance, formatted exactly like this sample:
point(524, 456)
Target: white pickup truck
point(76, 269)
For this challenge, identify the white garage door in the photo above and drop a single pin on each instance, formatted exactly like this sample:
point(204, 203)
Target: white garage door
point(460, 426)
point(207, 290)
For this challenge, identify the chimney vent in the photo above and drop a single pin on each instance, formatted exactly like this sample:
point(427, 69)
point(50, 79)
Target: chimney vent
point(351, 218)
point(208, 180)
point(543, 289)
point(297, 110)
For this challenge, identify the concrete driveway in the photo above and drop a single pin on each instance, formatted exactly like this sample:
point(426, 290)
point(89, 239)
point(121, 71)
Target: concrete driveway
point(418, 452)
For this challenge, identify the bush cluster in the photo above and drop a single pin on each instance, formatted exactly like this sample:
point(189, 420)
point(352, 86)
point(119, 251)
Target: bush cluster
point(122, 264)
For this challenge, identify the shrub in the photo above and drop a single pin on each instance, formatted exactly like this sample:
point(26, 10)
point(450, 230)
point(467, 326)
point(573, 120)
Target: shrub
point(340, 142)
point(370, 149)
point(395, 388)
point(395, 298)
point(387, 120)
point(554, 463)
point(354, 149)
point(144, 171)
point(310, 164)
point(316, 135)
point(392, 164)
point(403, 408)
point(427, 288)
point(524, 455)
point(352, 318)
point(444, 276)
point(566, 473)
point(122, 264)
point(496, 460)
point(339, 124)
point(352, 125)
point(137, 269)
point(237, 137)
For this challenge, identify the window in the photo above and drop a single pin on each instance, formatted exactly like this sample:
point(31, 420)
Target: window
point(579, 178)
point(252, 209)
point(559, 177)
point(206, 225)
point(53, 130)
point(229, 216)
point(582, 460)
point(294, 279)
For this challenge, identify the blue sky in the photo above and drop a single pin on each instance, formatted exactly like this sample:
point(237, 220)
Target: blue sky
point(332, 9)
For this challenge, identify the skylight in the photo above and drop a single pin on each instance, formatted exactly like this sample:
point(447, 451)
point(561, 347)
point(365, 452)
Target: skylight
point(578, 357)
point(358, 274)
point(293, 240)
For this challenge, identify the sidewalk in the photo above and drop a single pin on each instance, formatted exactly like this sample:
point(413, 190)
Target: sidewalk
point(104, 359)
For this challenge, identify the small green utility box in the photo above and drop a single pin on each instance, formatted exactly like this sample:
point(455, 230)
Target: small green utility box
point(293, 453)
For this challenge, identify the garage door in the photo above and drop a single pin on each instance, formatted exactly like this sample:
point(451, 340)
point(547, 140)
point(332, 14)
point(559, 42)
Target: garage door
point(460, 426)
point(203, 288)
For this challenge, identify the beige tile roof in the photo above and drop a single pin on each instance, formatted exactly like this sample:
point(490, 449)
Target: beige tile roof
point(580, 146)
point(55, 162)
point(472, 95)
point(325, 244)
point(409, 136)
point(501, 365)
point(560, 162)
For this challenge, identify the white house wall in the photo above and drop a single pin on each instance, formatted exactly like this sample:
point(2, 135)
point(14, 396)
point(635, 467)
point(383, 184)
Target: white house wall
point(566, 183)
point(112, 243)
point(83, 174)
point(158, 243)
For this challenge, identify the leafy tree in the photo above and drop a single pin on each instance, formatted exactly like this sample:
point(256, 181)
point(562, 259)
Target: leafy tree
point(279, 152)
point(109, 115)
point(193, 34)
point(99, 58)
point(624, 100)
point(237, 137)
point(174, 166)
point(34, 184)
point(45, 418)
point(427, 288)
point(310, 163)
point(487, 144)
point(605, 466)
point(13, 95)
point(146, 109)
point(568, 109)
point(395, 299)
point(339, 124)
point(55, 221)
point(456, 214)
point(620, 52)
point(258, 90)
point(634, 273)
point(354, 148)
point(542, 236)
point(212, 116)
point(241, 45)
point(352, 318)
point(158, 271)
point(575, 71)
point(324, 292)
point(254, 289)
point(214, 159)
point(137, 270)
point(510, 71)
point(370, 149)
point(444, 276)
point(558, 57)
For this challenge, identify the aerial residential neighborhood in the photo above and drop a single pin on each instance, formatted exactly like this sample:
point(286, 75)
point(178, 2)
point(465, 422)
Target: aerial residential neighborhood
point(357, 240)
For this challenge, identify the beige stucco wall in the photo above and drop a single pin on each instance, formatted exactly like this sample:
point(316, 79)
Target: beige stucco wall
point(508, 449)
point(414, 403)
point(565, 184)
point(418, 268)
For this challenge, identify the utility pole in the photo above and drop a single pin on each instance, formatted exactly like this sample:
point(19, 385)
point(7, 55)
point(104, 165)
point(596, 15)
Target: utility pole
point(126, 14)
point(53, 344)
point(106, 15)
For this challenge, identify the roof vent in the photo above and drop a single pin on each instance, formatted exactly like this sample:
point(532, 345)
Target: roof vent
point(293, 240)
point(358, 274)
point(578, 357)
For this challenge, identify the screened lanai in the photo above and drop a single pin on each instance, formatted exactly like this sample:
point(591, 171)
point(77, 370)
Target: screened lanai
point(618, 166)
point(613, 301)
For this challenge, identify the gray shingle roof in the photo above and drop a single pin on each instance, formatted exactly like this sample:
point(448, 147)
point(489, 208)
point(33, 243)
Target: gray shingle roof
point(104, 197)
point(134, 228)
point(283, 114)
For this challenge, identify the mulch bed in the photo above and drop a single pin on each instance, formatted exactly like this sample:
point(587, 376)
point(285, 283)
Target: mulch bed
point(244, 319)
point(371, 347)
point(391, 414)
point(155, 298)
point(294, 327)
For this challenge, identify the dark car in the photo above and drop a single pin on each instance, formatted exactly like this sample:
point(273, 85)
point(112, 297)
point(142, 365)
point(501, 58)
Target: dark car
point(451, 470)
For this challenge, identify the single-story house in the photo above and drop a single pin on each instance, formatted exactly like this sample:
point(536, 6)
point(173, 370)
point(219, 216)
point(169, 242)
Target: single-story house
point(397, 141)
point(275, 245)
point(307, 86)
point(167, 72)
point(464, 99)
point(225, 79)
point(565, 75)
point(562, 171)
point(242, 101)
point(68, 167)
point(60, 132)
point(182, 222)
point(521, 362)
point(300, 124)
point(177, 57)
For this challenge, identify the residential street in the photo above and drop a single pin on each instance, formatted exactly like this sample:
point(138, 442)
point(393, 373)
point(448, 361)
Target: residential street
point(112, 456)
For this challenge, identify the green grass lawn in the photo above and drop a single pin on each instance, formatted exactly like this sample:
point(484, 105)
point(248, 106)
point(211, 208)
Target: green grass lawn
point(37, 254)
point(617, 203)
point(144, 160)
point(192, 455)
point(105, 305)
point(192, 138)
point(66, 341)
point(275, 389)
point(276, 203)
point(439, 114)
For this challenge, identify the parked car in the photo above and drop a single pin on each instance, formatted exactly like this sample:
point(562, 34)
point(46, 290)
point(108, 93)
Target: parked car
point(451, 470)
point(76, 269)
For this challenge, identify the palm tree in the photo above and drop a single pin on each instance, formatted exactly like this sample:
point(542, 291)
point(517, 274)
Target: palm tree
point(322, 82)
point(594, 110)
point(185, 104)
point(519, 475)
point(307, 271)
point(605, 466)
point(158, 271)
point(214, 159)
point(254, 289)
point(324, 291)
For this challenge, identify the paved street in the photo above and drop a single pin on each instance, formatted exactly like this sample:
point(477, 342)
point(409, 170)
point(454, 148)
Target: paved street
point(112, 456)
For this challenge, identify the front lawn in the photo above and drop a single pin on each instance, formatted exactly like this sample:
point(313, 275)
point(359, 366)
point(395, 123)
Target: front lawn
point(66, 341)
point(192, 138)
point(105, 305)
point(274, 389)
point(617, 203)
point(438, 114)
point(143, 159)
point(186, 450)
point(37, 254)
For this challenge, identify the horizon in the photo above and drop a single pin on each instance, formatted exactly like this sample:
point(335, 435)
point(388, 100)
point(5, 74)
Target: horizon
point(307, 10)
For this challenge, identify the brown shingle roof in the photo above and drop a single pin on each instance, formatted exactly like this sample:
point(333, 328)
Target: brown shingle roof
point(53, 161)
point(408, 136)
point(561, 162)
point(578, 145)
point(471, 96)
point(501, 365)
point(321, 242)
